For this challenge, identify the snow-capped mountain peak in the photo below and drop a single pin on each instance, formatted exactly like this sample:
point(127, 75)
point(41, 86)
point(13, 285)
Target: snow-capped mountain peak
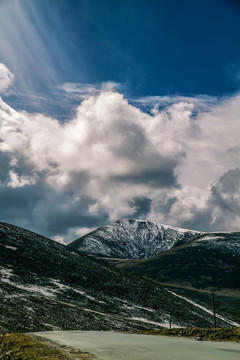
point(132, 239)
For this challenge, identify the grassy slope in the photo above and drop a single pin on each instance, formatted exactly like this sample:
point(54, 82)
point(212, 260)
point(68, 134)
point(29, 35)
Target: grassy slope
point(18, 346)
point(226, 300)
point(195, 270)
point(21, 310)
point(91, 296)
point(201, 334)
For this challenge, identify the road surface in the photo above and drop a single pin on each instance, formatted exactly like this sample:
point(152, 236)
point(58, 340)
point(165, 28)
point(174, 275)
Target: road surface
point(121, 346)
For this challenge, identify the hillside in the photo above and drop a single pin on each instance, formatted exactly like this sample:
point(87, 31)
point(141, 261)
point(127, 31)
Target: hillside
point(209, 262)
point(45, 285)
point(132, 239)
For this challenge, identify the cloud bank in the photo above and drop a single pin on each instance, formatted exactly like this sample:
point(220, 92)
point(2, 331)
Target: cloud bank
point(177, 164)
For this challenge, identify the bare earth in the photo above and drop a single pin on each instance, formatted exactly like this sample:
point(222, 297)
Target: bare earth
point(119, 346)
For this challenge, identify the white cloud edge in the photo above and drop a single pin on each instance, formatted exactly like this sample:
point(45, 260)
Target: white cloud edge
point(6, 79)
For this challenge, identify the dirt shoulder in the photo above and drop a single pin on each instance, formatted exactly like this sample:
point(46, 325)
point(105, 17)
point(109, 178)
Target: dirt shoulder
point(218, 334)
point(27, 347)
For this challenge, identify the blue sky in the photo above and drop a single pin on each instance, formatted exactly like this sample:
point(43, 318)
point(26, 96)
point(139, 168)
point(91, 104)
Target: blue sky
point(175, 64)
point(149, 47)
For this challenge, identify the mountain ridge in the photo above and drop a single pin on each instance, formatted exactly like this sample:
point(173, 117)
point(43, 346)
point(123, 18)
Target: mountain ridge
point(192, 266)
point(132, 239)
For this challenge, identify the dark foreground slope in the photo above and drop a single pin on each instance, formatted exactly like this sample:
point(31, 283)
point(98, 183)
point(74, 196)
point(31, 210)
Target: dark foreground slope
point(132, 239)
point(210, 262)
point(45, 285)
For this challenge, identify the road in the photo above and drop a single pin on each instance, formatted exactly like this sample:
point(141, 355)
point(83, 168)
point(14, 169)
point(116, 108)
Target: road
point(120, 346)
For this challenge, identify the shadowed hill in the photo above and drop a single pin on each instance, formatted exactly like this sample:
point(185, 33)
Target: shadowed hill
point(210, 262)
point(45, 285)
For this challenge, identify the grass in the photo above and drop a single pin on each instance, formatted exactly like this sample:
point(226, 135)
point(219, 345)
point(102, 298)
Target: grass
point(24, 347)
point(218, 334)
point(227, 300)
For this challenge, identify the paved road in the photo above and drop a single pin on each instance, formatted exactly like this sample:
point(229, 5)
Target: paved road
point(119, 346)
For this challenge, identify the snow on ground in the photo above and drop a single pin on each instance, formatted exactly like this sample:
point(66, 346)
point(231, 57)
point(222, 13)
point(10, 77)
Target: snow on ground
point(134, 307)
point(124, 301)
point(59, 285)
point(42, 290)
point(56, 328)
point(95, 312)
point(6, 273)
point(205, 309)
point(10, 247)
point(29, 309)
point(178, 229)
point(144, 308)
point(164, 324)
point(207, 237)
point(83, 293)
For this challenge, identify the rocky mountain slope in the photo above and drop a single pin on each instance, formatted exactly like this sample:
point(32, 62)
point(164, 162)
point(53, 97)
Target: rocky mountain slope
point(208, 262)
point(132, 239)
point(45, 285)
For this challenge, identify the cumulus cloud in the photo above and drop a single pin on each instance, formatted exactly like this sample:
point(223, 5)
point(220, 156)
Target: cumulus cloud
point(6, 78)
point(225, 201)
point(59, 239)
point(19, 181)
point(83, 231)
point(113, 160)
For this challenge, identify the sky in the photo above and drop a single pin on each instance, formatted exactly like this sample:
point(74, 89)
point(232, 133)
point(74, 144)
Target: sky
point(119, 109)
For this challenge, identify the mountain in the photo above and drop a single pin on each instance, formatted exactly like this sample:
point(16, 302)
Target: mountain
point(189, 262)
point(45, 285)
point(132, 239)
point(195, 268)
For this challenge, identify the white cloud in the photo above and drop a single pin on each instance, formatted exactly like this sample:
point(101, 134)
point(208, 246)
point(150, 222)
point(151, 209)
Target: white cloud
point(225, 201)
point(6, 78)
point(59, 239)
point(83, 231)
point(216, 148)
point(114, 153)
point(20, 181)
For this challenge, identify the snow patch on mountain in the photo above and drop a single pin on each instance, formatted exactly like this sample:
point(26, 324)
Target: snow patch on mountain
point(163, 324)
point(52, 291)
point(10, 247)
point(226, 243)
point(132, 239)
point(209, 237)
